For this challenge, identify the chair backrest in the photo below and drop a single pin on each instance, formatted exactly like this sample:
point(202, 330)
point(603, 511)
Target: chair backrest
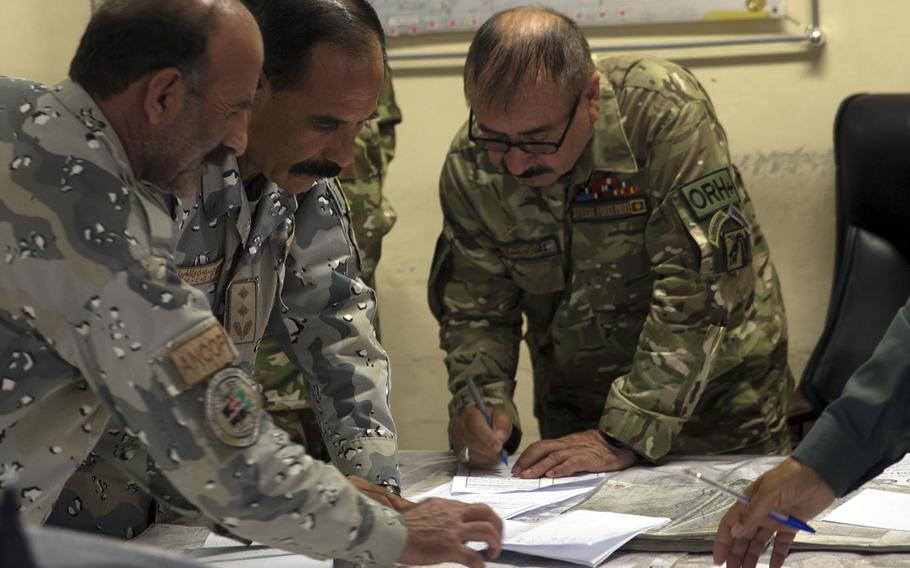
point(872, 258)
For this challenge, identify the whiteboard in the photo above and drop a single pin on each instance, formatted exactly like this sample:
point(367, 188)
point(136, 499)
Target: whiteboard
point(414, 17)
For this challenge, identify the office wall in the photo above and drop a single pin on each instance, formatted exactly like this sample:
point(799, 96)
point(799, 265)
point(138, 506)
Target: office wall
point(38, 37)
point(777, 105)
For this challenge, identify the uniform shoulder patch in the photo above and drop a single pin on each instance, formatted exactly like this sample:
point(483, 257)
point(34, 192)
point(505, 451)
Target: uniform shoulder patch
point(710, 193)
point(737, 249)
point(233, 408)
point(200, 355)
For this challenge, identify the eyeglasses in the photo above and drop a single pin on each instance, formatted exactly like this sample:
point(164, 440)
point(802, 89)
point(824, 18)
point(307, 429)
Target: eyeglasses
point(539, 148)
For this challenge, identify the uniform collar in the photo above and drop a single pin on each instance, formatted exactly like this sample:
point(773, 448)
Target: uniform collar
point(609, 147)
point(82, 106)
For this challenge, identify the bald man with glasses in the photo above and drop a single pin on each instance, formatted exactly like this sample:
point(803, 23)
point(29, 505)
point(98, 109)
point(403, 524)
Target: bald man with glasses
point(599, 203)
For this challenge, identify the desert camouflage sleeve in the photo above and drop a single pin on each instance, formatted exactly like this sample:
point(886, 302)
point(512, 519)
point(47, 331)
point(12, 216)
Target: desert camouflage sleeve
point(323, 320)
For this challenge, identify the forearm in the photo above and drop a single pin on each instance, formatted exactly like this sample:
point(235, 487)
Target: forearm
point(868, 427)
point(324, 322)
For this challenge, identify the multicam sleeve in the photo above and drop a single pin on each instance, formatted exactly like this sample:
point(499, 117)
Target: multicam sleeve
point(161, 363)
point(476, 304)
point(324, 322)
point(701, 286)
point(389, 117)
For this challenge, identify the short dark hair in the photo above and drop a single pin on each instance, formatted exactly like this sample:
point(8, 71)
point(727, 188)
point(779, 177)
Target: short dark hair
point(291, 29)
point(522, 44)
point(126, 39)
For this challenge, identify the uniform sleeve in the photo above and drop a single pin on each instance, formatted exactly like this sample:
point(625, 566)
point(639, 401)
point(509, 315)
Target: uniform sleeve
point(868, 427)
point(698, 288)
point(477, 306)
point(324, 321)
point(146, 343)
point(389, 117)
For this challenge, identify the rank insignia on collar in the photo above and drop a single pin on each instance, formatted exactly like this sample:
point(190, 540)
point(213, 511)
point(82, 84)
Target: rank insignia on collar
point(243, 303)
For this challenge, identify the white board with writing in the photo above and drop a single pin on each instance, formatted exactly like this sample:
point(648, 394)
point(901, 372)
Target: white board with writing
point(413, 17)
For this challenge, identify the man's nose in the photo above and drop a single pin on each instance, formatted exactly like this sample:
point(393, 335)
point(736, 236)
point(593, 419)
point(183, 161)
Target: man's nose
point(235, 137)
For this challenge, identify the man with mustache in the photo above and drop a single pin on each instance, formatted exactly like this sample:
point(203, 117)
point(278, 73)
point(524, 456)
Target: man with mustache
point(264, 239)
point(372, 217)
point(267, 240)
point(600, 203)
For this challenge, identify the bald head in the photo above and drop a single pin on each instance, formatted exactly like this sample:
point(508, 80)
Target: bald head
point(525, 47)
point(128, 39)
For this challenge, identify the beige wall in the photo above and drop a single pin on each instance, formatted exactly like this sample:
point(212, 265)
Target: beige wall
point(38, 37)
point(777, 105)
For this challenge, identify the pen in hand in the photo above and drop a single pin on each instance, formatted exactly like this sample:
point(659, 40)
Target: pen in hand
point(788, 520)
point(478, 400)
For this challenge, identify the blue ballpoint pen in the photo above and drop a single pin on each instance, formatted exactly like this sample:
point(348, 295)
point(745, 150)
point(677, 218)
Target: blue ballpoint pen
point(478, 400)
point(788, 520)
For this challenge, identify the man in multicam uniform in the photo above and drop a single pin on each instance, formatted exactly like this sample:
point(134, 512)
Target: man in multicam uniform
point(95, 321)
point(601, 204)
point(372, 217)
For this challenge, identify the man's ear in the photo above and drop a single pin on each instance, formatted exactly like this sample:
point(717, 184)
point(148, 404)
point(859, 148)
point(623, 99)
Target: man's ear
point(164, 93)
point(592, 96)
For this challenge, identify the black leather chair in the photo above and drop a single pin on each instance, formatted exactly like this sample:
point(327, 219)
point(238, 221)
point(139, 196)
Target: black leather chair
point(872, 263)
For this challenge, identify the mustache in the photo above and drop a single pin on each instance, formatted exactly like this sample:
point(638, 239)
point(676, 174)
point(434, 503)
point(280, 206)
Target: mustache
point(534, 171)
point(218, 155)
point(315, 168)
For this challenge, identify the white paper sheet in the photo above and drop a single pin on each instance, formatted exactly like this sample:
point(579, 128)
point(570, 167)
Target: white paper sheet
point(508, 505)
point(239, 555)
point(500, 479)
point(897, 474)
point(581, 537)
point(874, 508)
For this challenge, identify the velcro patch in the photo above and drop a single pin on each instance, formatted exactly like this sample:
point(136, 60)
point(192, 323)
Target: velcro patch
point(609, 210)
point(531, 250)
point(202, 274)
point(243, 304)
point(233, 408)
point(206, 352)
point(737, 249)
point(710, 193)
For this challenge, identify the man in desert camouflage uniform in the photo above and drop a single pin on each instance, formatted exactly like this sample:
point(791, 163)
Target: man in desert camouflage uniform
point(601, 204)
point(372, 217)
point(96, 323)
point(235, 246)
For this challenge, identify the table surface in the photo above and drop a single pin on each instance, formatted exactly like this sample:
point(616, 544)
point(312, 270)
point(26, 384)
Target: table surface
point(424, 470)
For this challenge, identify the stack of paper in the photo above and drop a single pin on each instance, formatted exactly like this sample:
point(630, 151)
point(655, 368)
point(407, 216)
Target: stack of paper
point(511, 496)
point(580, 537)
point(501, 480)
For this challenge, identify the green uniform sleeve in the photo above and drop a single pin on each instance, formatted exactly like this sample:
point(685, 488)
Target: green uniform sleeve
point(389, 117)
point(699, 284)
point(476, 304)
point(868, 427)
